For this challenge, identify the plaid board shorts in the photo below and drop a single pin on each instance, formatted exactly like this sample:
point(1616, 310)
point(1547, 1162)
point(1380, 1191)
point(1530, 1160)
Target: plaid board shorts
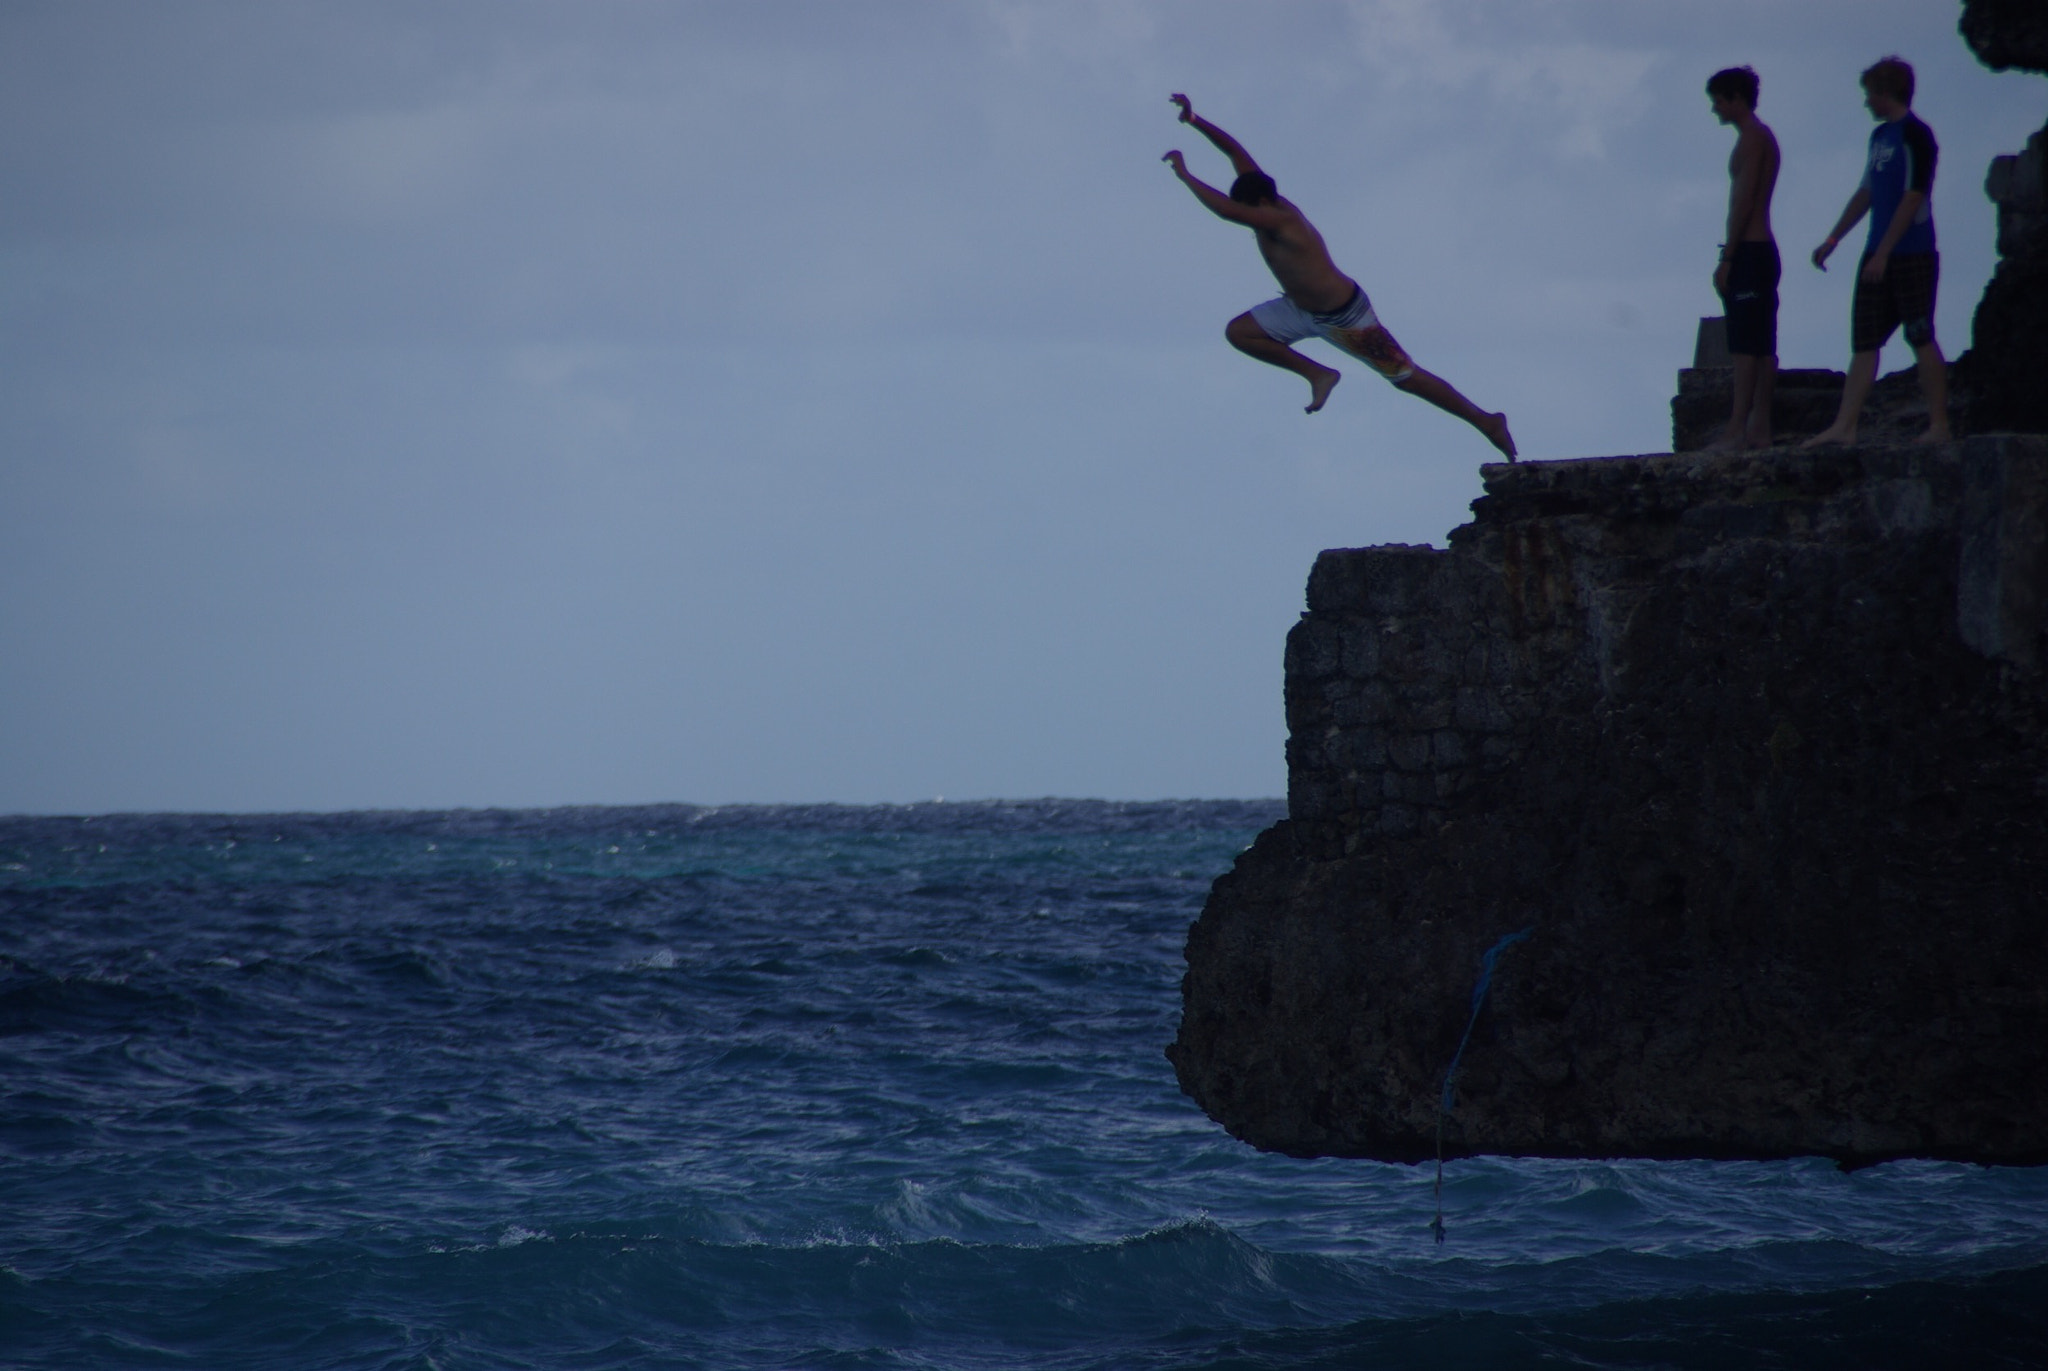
point(1905, 296)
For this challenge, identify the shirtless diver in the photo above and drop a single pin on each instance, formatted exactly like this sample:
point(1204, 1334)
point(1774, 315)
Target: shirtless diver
point(1317, 300)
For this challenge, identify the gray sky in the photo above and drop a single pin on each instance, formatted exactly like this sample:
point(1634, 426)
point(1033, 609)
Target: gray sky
point(496, 403)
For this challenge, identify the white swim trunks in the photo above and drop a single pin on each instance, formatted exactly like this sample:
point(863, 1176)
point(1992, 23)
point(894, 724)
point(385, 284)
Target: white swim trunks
point(1354, 328)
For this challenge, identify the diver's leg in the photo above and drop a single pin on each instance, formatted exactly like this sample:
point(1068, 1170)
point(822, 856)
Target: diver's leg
point(1247, 337)
point(1441, 393)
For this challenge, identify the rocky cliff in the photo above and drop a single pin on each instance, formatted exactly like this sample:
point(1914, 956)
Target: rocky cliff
point(1758, 747)
point(1755, 748)
point(2002, 381)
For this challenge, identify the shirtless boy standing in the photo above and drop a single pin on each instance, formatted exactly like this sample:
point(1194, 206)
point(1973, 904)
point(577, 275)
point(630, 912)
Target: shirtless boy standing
point(1747, 277)
point(1317, 300)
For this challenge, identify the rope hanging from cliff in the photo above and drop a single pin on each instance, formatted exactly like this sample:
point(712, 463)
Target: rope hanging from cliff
point(1449, 1096)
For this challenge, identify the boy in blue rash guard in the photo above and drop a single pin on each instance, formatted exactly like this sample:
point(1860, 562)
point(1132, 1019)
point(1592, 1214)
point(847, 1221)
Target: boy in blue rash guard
point(1747, 277)
point(1895, 283)
point(1316, 300)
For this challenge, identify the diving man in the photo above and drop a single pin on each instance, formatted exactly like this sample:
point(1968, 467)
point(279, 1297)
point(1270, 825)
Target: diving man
point(1316, 300)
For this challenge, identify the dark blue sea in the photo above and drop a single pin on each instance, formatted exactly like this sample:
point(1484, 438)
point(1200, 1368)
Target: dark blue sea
point(811, 1087)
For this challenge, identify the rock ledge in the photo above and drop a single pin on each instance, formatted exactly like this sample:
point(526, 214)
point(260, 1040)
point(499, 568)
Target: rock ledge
point(1759, 745)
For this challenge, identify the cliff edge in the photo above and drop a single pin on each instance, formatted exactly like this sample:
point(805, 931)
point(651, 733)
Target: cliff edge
point(1758, 747)
point(1755, 746)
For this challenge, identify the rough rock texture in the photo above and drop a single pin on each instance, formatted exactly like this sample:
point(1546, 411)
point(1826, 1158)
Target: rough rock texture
point(2007, 33)
point(1803, 403)
point(2001, 383)
point(1759, 746)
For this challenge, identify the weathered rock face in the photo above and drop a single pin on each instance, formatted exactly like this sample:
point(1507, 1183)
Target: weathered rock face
point(2002, 381)
point(1803, 403)
point(1758, 744)
point(2007, 33)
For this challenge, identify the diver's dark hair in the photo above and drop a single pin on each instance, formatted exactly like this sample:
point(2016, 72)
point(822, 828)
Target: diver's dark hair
point(1741, 82)
point(1891, 76)
point(1254, 188)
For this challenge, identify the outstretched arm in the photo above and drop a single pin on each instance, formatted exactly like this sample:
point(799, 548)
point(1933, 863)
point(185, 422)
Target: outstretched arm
point(1219, 204)
point(1240, 160)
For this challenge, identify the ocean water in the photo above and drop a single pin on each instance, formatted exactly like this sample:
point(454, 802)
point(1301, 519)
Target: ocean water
point(811, 1087)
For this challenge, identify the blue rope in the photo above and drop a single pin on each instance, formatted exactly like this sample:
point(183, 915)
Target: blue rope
point(1449, 1097)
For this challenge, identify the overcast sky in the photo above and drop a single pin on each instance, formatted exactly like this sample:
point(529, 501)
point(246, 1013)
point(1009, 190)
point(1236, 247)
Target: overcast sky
point(494, 403)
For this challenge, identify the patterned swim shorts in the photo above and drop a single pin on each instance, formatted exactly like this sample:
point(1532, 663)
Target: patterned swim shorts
point(1354, 328)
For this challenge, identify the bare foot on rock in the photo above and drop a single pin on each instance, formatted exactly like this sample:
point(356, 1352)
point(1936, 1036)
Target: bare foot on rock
point(1495, 427)
point(1319, 388)
point(1834, 435)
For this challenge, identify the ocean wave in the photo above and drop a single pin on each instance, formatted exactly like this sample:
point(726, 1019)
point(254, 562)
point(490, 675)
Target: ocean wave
point(1186, 1294)
point(807, 1086)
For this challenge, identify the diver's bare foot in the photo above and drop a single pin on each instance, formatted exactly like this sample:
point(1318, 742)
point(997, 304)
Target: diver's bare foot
point(1833, 435)
point(1725, 441)
point(1495, 427)
point(1319, 388)
point(1936, 435)
point(1757, 442)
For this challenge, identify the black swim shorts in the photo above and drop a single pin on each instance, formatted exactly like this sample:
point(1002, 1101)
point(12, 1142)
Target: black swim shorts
point(1751, 299)
point(1905, 296)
